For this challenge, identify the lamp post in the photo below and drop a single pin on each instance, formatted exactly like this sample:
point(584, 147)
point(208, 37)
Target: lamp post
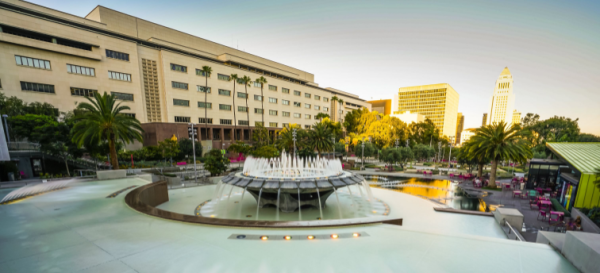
point(333, 146)
point(439, 151)
point(294, 134)
point(194, 150)
point(450, 154)
point(6, 123)
point(396, 144)
point(362, 159)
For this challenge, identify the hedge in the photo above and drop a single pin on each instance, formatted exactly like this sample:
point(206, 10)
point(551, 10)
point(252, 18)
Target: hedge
point(558, 207)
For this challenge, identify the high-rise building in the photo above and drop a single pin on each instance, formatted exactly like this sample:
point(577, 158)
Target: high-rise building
point(437, 102)
point(484, 120)
point(516, 118)
point(466, 135)
point(460, 123)
point(502, 102)
point(59, 58)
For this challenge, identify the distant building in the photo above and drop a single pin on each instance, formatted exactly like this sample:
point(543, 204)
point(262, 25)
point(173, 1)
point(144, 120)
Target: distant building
point(409, 117)
point(381, 106)
point(460, 123)
point(466, 135)
point(484, 120)
point(502, 102)
point(437, 102)
point(516, 118)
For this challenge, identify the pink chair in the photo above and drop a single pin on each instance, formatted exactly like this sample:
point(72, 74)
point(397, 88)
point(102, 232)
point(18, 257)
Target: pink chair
point(544, 215)
point(555, 219)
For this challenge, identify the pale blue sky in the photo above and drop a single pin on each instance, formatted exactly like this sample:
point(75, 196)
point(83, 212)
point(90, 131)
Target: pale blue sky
point(371, 48)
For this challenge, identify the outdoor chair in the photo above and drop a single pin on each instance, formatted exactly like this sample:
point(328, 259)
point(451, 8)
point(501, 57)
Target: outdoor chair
point(524, 195)
point(516, 194)
point(534, 203)
point(555, 219)
point(544, 215)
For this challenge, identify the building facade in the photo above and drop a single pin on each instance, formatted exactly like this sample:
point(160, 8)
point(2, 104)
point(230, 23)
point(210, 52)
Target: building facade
point(382, 106)
point(59, 58)
point(460, 124)
point(502, 102)
point(437, 102)
point(409, 117)
point(466, 134)
point(484, 119)
point(516, 118)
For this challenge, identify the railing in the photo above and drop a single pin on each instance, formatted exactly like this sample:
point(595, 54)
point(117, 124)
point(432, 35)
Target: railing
point(512, 233)
point(23, 146)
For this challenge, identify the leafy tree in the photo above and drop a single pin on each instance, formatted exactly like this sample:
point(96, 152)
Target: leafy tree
point(267, 151)
point(385, 131)
point(368, 152)
point(240, 147)
point(321, 116)
point(24, 126)
point(262, 82)
point(499, 142)
point(423, 152)
point(530, 119)
point(391, 156)
point(351, 120)
point(406, 155)
point(102, 119)
point(426, 133)
point(463, 158)
point(216, 163)
point(260, 135)
point(234, 78)
point(286, 138)
point(207, 70)
point(320, 138)
point(13, 106)
point(588, 138)
point(306, 152)
point(340, 148)
point(169, 148)
point(186, 148)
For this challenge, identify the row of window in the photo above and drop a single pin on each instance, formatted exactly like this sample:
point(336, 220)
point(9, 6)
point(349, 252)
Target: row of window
point(230, 122)
point(201, 104)
point(73, 69)
point(75, 91)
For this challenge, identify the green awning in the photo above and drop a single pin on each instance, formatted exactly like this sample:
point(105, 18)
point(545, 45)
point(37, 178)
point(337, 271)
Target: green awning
point(584, 156)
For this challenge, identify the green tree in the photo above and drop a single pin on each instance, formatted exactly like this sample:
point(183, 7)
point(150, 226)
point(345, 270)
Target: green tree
point(499, 142)
point(266, 151)
point(13, 106)
point(530, 119)
point(260, 135)
point(369, 150)
point(463, 158)
point(169, 148)
point(391, 156)
point(588, 138)
point(319, 138)
point(286, 138)
point(262, 82)
point(423, 152)
point(235, 79)
point(186, 148)
point(306, 152)
point(216, 163)
point(102, 119)
point(340, 148)
point(206, 70)
point(321, 116)
point(351, 120)
point(240, 147)
point(246, 82)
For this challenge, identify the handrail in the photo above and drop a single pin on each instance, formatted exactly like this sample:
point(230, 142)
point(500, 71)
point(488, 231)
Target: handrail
point(517, 235)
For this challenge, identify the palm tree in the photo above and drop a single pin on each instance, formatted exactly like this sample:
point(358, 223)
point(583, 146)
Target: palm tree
point(207, 70)
point(321, 116)
point(102, 119)
point(246, 82)
point(341, 102)
point(262, 82)
point(234, 78)
point(320, 138)
point(498, 142)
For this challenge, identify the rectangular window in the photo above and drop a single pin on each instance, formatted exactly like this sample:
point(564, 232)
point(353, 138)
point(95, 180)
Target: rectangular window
point(182, 119)
point(225, 122)
point(285, 90)
point(224, 92)
point(179, 85)
point(76, 69)
point(272, 100)
point(181, 102)
point(306, 126)
point(243, 122)
point(272, 124)
point(225, 107)
point(258, 97)
point(242, 109)
point(307, 95)
point(285, 114)
point(179, 68)
point(317, 107)
point(223, 77)
point(242, 95)
point(131, 115)
point(307, 116)
point(272, 87)
point(123, 96)
point(38, 87)
point(325, 99)
point(307, 106)
point(75, 91)
point(285, 102)
point(317, 97)
point(202, 104)
point(297, 93)
point(285, 125)
point(31, 62)
point(325, 108)
point(258, 123)
point(297, 115)
point(203, 88)
point(258, 110)
point(297, 104)
point(117, 55)
point(205, 120)
point(273, 112)
point(119, 76)
point(256, 84)
point(199, 72)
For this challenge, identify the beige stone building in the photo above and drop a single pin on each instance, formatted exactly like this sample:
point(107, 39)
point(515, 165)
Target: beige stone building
point(516, 118)
point(502, 102)
point(437, 102)
point(55, 57)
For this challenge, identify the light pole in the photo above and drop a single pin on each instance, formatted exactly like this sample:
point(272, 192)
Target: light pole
point(294, 134)
point(362, 159)
point(6, 124)
point(333, 146)
point(450, 154)
point(439, 151)
point(396, 144)
point(194, 150)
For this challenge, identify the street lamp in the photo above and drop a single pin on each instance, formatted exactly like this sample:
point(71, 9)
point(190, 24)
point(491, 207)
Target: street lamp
point(5, 122)
point(362, 159)
point(450, 154)
point(294, 134)
point(396, 144)
point(194, 150)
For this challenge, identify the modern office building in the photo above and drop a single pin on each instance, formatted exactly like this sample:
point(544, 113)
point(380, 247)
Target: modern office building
point(383, 106)
point(437, 102)
point(460, 124)
point(466, 134)
point(50, 56)
point(484, 120)
point(409, 117)
point(502, 102)
point(516, 118)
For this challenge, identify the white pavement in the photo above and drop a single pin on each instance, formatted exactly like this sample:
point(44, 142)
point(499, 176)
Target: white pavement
point(79, 230)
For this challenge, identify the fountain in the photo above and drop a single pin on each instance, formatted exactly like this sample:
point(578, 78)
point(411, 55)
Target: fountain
point(292, 184)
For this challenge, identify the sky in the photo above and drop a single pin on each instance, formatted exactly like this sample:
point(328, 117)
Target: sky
point(372, 48)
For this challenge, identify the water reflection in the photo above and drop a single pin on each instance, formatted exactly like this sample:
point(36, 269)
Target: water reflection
point(440, 191)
